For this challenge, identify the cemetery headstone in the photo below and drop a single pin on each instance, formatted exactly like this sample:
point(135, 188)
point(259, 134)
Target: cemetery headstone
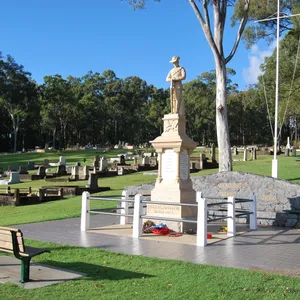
point(13, 168)
point(85, 172)
point(93, 181)
point(103, 164)
point(41, 171)
point(294, 152)
point(46, 162)
point(145, 161)
point(61, 170)
point(245, 153)
point(120, 171)
point(23, 170)
point(96, 164)
point(122, 160)
point(213, 151)
point(14, 178)
point(30, 165)
point(62, 161)
point(235, 151)
point(286, 152)
point(202, 161)
point(75, 172)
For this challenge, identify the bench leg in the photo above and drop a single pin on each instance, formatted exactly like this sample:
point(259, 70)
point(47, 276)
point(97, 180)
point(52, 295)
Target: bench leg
point(25, 265)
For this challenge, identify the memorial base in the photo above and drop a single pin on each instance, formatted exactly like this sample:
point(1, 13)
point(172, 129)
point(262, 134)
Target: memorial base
point(181, 192)
point(173, 183)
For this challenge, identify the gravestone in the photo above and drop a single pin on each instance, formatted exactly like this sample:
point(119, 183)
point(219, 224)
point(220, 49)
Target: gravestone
point(62, 161)
point(103, 164)
point(202, 161)
point(145, 161)
point(93, 181)
point(23, 170)
point(286, 152)
point(135, 161)
point(121, 171)
point(213, 152)
point(61, 170)
point(122, 160)
point(294, 152)
point(41, 171)
point(75, 173)
point(85, 172)
point(30, 165)
point(13, 168)
point(14, 178)
point(46, 162)
point(288, 145)
point(235, 151)
point(95, 164)
point(245, 153)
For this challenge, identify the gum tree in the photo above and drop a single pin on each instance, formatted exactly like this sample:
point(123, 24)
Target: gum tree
point(212, 16)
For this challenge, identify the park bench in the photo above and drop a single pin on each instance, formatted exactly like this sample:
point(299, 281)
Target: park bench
point(11, 241)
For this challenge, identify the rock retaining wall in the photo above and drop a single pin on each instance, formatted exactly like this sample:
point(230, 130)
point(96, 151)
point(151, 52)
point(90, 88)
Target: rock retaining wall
point(278, 201)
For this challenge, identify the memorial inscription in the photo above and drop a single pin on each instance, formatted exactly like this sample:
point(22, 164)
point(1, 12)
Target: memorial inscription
point(184, 165)
point(168, 164)
point(156, 209)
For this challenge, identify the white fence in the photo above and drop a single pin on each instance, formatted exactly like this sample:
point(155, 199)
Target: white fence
point(202, 213)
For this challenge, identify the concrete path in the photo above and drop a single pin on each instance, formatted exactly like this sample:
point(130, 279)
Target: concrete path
point(270, 249)
point(40, 275)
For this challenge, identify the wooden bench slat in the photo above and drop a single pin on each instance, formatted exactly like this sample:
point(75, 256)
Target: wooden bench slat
point(11, 241)
point(6, 245)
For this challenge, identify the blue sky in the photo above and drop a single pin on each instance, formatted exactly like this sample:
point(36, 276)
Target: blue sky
point(71, 37)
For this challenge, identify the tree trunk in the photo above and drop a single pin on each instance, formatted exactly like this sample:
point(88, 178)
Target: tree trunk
point(54, 137)
point(225, 160)
point(15, 139)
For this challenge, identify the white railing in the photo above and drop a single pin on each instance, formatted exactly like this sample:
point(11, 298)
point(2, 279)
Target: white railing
point(202, 213)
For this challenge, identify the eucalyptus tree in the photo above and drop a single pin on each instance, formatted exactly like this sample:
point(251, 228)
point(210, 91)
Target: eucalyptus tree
point(57, 107)
point(244, 10)
point(18, 93)
point(288, 108)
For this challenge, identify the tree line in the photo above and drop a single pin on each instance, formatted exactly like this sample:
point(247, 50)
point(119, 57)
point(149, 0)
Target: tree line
point(104, 109)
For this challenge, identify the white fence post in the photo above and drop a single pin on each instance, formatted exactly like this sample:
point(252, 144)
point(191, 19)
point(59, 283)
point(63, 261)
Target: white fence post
point(137, 221)
point(231, 230)
point(85, 215)
point(253, 210)
point(125, 205)
point(201, 221)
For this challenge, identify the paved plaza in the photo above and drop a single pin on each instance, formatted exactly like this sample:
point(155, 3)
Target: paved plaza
point(270, 249)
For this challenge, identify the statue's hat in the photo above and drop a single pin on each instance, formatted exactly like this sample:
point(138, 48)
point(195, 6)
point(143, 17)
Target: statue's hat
point(174, 58)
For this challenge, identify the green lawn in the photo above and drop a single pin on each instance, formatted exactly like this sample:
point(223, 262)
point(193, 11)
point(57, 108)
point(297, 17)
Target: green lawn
point(119, 276)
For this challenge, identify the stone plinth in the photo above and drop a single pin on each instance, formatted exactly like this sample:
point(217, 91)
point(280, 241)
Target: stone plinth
point(173, 183)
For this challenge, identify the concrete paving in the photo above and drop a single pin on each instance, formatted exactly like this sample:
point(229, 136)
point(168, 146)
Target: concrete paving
point(269, 249)
point(40, 275)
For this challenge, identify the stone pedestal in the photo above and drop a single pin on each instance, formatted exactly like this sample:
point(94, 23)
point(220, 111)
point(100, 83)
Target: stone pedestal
point(173, 183)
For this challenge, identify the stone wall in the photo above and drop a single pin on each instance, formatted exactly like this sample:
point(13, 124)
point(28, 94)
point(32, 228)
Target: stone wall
point(275, 198)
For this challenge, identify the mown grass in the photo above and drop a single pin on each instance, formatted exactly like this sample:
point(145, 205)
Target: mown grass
point(70, 207)
point(118, 276)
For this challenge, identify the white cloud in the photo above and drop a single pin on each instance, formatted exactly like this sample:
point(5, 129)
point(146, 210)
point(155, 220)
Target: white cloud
point(256, 58)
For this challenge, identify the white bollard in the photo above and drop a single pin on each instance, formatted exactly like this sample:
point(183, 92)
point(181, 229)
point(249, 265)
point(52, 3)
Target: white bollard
point(85, 215)
point(137, 220)
point(231, 230)
point(201, 221)
point(125, 205)
point(253, 216)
